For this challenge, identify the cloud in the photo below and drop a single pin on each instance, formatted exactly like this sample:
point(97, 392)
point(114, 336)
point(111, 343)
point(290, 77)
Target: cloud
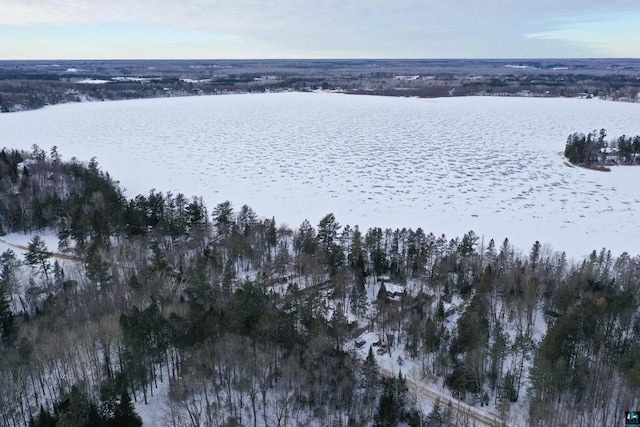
point(609, 34)
point(410, 28)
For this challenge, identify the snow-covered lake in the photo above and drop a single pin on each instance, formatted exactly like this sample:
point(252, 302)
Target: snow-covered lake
point(450, 165)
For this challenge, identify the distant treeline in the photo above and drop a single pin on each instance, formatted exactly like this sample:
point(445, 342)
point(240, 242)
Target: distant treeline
point(25, 86)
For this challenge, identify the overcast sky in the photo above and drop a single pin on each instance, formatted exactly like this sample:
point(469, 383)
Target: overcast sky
point(176, 29)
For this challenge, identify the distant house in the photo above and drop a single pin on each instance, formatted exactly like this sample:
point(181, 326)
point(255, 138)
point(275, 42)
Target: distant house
point(407, 78)
point(449, 309)
point(609, 157)
point(394, 291)
point(612, 156)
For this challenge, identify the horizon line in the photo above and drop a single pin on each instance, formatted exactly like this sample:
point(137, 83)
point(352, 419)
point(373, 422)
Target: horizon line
point(333, 59)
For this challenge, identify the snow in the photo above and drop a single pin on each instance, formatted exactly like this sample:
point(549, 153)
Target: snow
point(393, 288)
point(133, 79)
point(18, 242)
point(493, 165)
point(448, 165)
point(93, 81)
point(423, 389)
point(154, 412)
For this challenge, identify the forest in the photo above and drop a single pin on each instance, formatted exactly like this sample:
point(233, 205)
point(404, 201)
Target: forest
point(235, 320)
point(28, 85)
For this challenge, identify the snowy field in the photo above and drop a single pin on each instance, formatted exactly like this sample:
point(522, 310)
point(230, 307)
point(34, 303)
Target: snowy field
point(450, 165)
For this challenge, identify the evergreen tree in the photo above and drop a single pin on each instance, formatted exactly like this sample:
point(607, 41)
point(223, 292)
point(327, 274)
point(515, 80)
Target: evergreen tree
point(6, 317)
point(358, 302)
point(391, 408)
point(327, 236)
point(370, 369)
point(356, 256)
point(381, 297)
point(374, 241)
point(45, 419)
point(490, 254)
point(9, 264)
point(387, 415)
point(77, 414)
point(125, 414)
point(468, 244)
point(338, 326)
point(58, 274)
point(223, 218)
point(436, 417)
point(304, 240)
point(534, 256)
point(508, 388)
point(96, 266)
point(38, 256)
point(247, 220)
point(94, 417)
point(328, 230)
point(281, 261)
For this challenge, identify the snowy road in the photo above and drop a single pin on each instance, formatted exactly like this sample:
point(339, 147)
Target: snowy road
point(467, 414)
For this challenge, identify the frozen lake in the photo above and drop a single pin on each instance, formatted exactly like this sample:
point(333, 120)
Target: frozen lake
point(449, 165)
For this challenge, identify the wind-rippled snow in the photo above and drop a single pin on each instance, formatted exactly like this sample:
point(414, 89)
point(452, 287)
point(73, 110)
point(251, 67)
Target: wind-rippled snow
point(448, 165)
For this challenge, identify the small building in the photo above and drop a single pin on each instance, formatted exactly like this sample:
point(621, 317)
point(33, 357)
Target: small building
point(407, 78)
point(394, 291)
point(449, 309)
point(609, 157)
point(612, 156)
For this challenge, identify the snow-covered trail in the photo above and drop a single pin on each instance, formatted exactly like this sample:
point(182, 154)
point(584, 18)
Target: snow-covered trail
point(4, 244)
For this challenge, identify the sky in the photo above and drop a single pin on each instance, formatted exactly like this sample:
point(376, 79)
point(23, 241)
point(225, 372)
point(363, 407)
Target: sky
point(252, 29)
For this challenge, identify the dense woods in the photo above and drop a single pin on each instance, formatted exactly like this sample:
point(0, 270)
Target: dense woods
point(232, 319)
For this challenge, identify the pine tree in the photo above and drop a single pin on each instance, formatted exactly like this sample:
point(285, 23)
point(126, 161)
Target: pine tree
point(436, 416)
point(370, 369)
point(9, 265)
point(38, 256)
point(94, 417)
point(391, 408)
point(534, 256)
point(386, 415)
point(327, 237)
point(468, 245)
point(45, 419)
point(356, 256)
point(97, 268)
point(358, 302)
point(223, 218)
point(490, 254)
point(382, 294)
point(77, 414)
point(338, 326)
point(6, 317)
point(125, 414)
